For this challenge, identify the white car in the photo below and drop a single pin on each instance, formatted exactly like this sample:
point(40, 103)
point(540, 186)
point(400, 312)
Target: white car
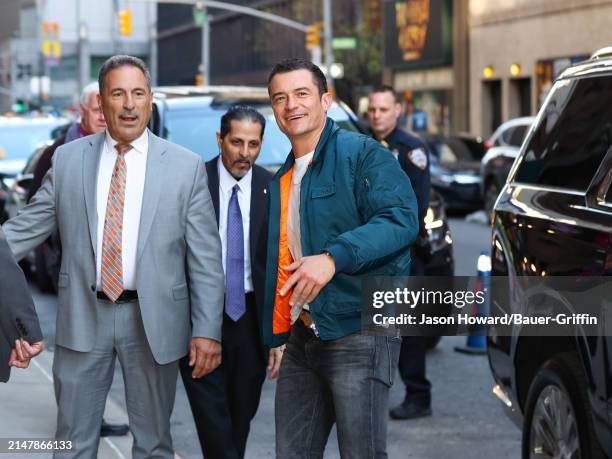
point(503, 148)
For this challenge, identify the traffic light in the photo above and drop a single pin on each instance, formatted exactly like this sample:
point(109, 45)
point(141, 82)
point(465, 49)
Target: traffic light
point(125, 22)
point(313, 36)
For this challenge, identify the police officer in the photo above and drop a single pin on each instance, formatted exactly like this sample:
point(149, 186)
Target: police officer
point(383, 112)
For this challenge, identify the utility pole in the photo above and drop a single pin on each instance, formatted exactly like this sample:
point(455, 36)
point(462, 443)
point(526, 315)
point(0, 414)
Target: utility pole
point(83, 49)
point(206, 48)
point(201, 18)
point(327, 37)
point(152, 32)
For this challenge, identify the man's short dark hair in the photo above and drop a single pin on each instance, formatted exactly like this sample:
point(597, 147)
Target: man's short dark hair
point(386, 88)
point(296, 63)
point(241, 113)
point(114, 62)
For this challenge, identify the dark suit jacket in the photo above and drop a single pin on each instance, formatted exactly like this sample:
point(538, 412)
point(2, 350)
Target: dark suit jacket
point(258, 233)
point(18, 317)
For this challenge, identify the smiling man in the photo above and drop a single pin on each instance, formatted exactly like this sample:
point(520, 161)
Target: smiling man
point(224, 402)
point(141, 277)
point(340, 208)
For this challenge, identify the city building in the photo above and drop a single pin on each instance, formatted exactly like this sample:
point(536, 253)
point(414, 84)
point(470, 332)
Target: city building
point(426, 62)
point(518, 47)
point(52, 48)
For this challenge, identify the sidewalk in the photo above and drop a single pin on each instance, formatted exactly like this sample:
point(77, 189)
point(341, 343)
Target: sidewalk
point(28, 411)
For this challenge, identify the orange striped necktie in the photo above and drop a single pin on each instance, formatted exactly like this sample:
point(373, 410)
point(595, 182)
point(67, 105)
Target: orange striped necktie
point(112, 264)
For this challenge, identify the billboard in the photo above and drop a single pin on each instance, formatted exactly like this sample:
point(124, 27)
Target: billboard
point(418, 33)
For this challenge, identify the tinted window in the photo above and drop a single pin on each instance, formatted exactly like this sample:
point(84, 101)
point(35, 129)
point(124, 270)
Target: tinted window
point(506, 136)
point(518, 134)
point(573, 135)
point(452, 150)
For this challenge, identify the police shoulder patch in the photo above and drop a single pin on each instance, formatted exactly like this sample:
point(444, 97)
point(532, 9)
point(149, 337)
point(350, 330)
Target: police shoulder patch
point(418, 157)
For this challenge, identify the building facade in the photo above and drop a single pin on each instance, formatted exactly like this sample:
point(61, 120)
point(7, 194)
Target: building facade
point(87, 33)
point(426, 62)
point(518, 47)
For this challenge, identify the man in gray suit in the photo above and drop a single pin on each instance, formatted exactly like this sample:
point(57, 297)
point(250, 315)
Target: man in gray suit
point(141, 275)
point(20, 335)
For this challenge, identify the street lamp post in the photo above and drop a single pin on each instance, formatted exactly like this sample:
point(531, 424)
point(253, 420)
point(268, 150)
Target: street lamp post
point(327, 37)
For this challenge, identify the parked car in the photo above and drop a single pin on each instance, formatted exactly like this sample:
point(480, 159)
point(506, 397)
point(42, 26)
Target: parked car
point(455, 169)
point(19, 137)
point(502, 149)
point(554, 218)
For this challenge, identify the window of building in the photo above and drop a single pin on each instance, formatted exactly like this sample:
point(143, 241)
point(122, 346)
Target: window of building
point(573, 136)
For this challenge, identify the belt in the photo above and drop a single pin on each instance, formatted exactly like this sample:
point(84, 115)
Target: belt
point(306, 319)
point(127, 296)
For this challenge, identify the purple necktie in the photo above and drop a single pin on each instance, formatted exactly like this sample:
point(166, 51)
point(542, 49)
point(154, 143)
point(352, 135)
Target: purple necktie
point(235, 305)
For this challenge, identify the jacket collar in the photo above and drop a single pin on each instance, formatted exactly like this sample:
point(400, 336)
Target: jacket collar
point(330, 128)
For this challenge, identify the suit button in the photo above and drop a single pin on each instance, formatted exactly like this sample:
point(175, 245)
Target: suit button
point(93, 288)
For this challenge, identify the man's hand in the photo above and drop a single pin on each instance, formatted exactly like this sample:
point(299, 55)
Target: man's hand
point(204, 356)
point(274, 360)
point(310, 275)
point(23, 352)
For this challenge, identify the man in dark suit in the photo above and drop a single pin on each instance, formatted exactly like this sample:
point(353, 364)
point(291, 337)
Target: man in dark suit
point(224, 402)
point(20, 334)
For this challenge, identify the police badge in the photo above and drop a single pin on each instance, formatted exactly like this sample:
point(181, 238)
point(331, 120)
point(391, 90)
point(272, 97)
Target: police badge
point(418, 157)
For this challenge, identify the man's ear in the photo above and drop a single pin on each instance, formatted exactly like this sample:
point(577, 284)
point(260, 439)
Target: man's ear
point(326, 100)
point(398, 109)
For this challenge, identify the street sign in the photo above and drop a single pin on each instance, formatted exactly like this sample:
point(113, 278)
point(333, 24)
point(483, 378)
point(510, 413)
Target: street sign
point(344, 43)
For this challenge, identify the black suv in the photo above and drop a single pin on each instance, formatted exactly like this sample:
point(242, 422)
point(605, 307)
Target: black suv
point(554, 218)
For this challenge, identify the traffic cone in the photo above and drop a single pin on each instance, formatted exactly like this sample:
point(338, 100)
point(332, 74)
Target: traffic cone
point(476, 343)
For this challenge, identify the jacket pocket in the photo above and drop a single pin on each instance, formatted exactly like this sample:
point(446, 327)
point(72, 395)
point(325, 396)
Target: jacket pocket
point(323, 191)
point(180, 292)
point(63, 280)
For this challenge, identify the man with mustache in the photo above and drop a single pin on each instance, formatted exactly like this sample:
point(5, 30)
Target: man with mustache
point(224, 402)
point(141, 278)
point(92, 122)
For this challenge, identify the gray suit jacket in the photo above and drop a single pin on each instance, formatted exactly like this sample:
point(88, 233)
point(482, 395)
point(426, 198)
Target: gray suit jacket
point(179, 274)
point(17, 314)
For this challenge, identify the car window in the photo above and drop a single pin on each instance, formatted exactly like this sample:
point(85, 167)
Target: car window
point(517, 136)
point(573, 135)
point(452, 150)
point(19, 141)
point(506, 136)
point(196, 129)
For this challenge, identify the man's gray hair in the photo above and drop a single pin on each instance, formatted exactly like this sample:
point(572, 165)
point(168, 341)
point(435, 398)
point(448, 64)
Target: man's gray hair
point(91, 88)
point(121, 60)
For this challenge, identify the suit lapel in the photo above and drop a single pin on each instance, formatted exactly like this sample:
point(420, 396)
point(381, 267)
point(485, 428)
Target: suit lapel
point(258, 190)
point(152, 189)
point(213, 184)
point(91, 163)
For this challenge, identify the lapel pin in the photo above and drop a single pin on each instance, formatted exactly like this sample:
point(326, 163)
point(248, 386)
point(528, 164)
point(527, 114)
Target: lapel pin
point(265, 191)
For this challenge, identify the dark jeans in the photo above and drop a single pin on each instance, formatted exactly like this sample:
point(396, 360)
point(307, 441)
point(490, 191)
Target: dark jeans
point(344, 381)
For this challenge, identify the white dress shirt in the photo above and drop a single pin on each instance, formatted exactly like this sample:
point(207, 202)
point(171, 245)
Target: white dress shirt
point(136, 164)
point(294, 235)
point(226, 183)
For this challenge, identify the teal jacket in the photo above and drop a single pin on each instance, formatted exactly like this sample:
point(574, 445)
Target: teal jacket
point(355, 203)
